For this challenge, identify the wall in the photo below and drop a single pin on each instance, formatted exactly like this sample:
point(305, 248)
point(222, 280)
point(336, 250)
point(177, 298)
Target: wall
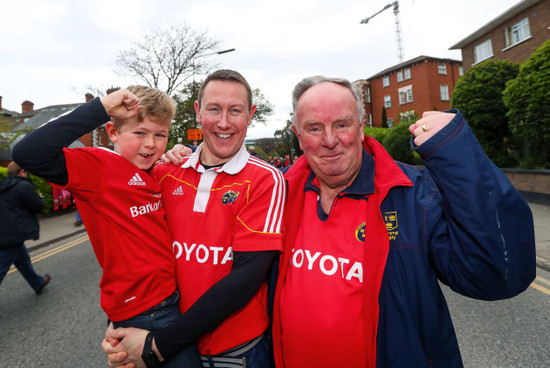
point(533, 184)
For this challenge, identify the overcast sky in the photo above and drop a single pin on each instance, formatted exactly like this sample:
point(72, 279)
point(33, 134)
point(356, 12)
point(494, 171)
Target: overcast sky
point(53, 50)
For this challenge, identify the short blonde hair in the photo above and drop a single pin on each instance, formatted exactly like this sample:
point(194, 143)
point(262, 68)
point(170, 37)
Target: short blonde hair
point(155, 104)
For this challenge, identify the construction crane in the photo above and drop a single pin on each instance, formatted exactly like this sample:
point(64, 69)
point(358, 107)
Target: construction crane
point(395, 5)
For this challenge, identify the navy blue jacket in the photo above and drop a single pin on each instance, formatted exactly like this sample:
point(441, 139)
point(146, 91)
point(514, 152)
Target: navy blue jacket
point(459, 221)
point(19, 205)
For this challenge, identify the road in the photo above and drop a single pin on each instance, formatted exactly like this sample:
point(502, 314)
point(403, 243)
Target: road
point(64, 326)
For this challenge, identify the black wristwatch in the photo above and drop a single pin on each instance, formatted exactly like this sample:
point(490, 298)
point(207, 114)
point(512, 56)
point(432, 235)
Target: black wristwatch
point(148, 355)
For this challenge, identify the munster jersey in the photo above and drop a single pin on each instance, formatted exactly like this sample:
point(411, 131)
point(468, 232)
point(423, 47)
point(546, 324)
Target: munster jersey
point(120, 205)
point(238, 206)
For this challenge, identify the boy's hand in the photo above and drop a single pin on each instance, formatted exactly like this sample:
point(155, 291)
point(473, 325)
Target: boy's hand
point(121, 104)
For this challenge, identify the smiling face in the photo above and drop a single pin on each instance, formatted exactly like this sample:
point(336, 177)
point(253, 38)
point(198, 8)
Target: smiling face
point(225, 117)
point(141, 143)
point(330, 133)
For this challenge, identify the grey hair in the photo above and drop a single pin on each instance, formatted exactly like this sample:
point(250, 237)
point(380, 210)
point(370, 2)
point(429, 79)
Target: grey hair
point(309, 82)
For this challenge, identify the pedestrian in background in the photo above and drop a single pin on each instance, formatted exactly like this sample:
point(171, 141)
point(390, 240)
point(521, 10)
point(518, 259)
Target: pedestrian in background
point(19, 206)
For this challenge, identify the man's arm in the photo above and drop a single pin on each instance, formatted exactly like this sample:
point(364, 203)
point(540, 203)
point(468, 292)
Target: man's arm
point(248, 272)
point(481, 238)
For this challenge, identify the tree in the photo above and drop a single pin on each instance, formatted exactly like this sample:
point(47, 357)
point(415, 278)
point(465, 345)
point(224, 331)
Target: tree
point(384, 123)
point(528, 101)
point(397, 142)
point(288, 141)
point(167, 57)
point(264, 107)
point(478, 95)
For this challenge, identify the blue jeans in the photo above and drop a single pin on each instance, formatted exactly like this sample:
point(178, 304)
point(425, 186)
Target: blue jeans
point(162, 315)
point(256, 357)
point(19, 256)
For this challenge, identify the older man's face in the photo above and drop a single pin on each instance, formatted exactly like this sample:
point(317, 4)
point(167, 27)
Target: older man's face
point(330, 133)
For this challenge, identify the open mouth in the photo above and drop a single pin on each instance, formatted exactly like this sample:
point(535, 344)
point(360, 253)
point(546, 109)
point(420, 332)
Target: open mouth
point(145, 156)
point(223, 136)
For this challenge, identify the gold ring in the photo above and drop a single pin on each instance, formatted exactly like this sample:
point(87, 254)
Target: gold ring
point(424, 128)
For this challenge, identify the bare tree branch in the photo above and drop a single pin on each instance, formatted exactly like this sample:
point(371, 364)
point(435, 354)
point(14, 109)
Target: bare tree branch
point(164, 58)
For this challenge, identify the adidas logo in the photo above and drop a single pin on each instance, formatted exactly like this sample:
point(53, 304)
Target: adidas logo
point(136, 180)
point(178, 191)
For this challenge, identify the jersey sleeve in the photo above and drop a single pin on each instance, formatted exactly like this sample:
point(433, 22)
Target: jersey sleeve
point(86, 171)
point(259, 223)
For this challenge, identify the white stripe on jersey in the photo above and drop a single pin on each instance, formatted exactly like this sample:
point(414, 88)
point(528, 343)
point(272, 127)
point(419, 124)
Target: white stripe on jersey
point(275, 214)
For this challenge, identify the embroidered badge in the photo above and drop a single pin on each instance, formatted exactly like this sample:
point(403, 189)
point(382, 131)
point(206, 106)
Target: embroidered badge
point(360, 232)
point(229, 197)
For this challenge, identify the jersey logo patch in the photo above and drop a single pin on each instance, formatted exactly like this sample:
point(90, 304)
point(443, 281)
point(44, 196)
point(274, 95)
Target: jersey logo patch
point(178, 191)
point(136, 180)
point(360, 232)
point(229, 197)
point(390, 218)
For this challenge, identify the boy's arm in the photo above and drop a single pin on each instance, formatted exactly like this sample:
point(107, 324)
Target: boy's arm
point(41, 151)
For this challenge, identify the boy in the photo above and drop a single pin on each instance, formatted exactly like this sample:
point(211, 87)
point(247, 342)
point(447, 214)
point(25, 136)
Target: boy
point(120, 203)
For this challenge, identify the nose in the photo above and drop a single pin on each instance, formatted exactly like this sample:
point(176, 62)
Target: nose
point(330, 139)
point(149, 141)
point(223, 123)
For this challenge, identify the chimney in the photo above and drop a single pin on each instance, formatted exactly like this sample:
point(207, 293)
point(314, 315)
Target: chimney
point(26, 106)
point(112, 89)
point(0, 103)
point(89, 97)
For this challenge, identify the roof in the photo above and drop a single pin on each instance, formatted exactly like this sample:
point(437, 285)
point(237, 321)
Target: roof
point(411, 62)
point(46, 114)
point(504, 17)
point(8, 113)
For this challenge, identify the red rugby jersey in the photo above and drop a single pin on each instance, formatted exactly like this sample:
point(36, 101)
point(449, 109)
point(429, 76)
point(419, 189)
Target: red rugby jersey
point(120, 205)
point(238, 206)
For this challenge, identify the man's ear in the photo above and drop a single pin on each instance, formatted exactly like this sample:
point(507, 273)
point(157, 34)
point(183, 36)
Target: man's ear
point(111, 131)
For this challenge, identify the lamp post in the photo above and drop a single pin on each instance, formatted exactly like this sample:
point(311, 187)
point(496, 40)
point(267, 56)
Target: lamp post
point(199, 56)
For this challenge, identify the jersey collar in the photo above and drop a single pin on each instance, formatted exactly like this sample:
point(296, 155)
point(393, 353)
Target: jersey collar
point(231, 167)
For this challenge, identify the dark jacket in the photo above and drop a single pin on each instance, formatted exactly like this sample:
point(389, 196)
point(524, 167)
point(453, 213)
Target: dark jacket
point(19, 205)
point(459, 221)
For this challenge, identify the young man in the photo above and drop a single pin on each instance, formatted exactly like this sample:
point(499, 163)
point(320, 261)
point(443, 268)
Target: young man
point(225, 210)
point(19, 205)
point(367, 239)
point(119, 201)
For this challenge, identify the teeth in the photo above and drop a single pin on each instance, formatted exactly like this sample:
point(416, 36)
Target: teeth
point(224, 135)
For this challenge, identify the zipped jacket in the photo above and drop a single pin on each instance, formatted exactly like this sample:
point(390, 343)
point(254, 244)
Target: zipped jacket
point(19, 205)
point(458, 221)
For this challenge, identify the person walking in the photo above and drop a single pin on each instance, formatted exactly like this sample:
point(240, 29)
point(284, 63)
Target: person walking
point(19, 206)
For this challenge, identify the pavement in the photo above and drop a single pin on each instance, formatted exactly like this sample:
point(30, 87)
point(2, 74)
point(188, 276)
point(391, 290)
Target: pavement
point(58, 226)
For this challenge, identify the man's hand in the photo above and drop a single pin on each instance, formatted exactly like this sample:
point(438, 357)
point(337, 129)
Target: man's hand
point(124, 346)
point(431, 123)
point(176, 154)
point(121, 104)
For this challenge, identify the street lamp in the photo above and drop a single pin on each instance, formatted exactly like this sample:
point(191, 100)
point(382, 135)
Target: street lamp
point(199, 56)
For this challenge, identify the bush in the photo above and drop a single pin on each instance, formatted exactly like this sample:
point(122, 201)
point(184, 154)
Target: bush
point(397, 143)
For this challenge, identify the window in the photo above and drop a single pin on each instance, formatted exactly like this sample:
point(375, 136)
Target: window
point(369, 119)
point(367, 94)
point(444, 90)
point(405, 94)
point(386, 81)
point(407, 73)
point(390, 123)
point(483, 51)
point(460, 71)
point(442, 68)
point(400, 76)
point(517, 33)
point(387, 101)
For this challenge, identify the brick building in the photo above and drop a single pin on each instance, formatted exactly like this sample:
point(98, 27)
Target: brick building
point(412, 87)
point(511, 36)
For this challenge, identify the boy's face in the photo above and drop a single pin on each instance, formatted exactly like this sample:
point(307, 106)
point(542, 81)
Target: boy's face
point(140, 143)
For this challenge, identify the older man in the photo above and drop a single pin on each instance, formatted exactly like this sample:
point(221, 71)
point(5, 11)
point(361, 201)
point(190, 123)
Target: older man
point(367, 239)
